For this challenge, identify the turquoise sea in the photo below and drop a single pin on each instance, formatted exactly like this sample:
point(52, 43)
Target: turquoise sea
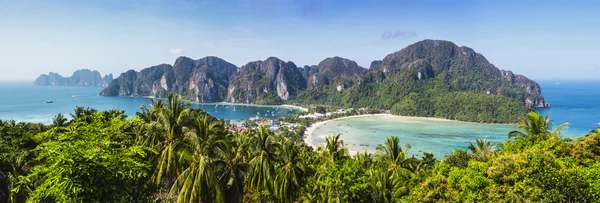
point(576, 102)
point(22, 101)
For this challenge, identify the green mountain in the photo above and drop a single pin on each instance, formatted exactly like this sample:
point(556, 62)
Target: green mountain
point(336, 72)
point(83, 77)
point(202, 80)
point(431, 78)
point(271, 81)
point(461, 68)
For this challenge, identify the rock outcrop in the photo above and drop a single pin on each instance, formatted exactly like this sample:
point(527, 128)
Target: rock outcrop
point(263, 82)
point(335, 72)
point(82, 77)
point(202, 80)
point(437, 64)
point(108, 78)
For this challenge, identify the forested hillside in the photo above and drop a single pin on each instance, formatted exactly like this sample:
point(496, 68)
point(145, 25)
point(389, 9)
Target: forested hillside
point(171, 153)
point(429, 78)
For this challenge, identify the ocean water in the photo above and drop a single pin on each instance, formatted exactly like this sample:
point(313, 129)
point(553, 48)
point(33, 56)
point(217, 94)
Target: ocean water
point(23, 101)
point(576, 102)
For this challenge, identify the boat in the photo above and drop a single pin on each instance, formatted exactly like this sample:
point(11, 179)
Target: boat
point(49, 102)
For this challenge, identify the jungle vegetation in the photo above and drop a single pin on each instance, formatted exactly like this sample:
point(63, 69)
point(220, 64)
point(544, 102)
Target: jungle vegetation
point(172, 153)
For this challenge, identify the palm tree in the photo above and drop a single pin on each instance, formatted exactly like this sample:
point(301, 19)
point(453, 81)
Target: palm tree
point(364, 159)
point(201, 144)
point(59, 121)
point(83, 114)
point(334, 149)
point(391, 154)
point(231, 168)
point(389, 184)
point(17, 181)
point(170, 126)
point(151, 114)
point(196, 183)
point(261, 171)
point(148, 130)
point(290, 173)
point(534, 127)
point(112, 113)
point(482, 149)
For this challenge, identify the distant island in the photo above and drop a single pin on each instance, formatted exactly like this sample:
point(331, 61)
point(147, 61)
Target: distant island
point(430, 78)
point(83, 77)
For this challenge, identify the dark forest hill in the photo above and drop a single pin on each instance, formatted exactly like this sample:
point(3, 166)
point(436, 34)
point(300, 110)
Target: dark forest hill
point(432, 78)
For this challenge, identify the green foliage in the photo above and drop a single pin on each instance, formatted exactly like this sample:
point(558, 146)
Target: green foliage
point(91, 162)
point(538, 166)
point(320, 109)
point(104, 157)
point(458, 158)
point(342, 182)
point(481, 150)
point(425, 98)
point(16, 158)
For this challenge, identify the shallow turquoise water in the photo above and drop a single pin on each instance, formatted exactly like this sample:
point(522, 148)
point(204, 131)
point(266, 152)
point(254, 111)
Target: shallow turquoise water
point(23, 101)
point(576, 102)
point(438, 137)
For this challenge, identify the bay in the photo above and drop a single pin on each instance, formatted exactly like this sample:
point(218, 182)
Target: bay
point(23, 101)
point(574, 101)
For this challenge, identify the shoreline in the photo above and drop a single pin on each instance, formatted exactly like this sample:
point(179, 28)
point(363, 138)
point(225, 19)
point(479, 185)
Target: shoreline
point(257, 105)
point(308, 133)
point(288, 106)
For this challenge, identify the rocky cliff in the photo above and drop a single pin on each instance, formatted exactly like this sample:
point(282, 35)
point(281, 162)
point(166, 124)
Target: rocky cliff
point(426, 75)
point(82, 77)
point(264, 82)
point(202, 80)
point(338, 73)
point(108, 78)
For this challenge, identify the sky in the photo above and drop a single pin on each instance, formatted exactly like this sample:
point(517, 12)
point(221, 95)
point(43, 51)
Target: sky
point(539, 39)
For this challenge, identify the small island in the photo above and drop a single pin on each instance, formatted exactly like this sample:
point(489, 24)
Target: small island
point(83, 77)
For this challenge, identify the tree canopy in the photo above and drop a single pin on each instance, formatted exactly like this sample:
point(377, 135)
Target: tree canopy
point(171, 153)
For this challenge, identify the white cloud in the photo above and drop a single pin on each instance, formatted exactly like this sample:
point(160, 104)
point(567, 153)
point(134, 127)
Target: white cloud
point(176, 51)
point(404, 34)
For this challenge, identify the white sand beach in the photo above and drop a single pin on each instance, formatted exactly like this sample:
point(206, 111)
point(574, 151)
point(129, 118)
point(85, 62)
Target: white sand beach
point(294, 107)
point(309, 134)
point(259, 105)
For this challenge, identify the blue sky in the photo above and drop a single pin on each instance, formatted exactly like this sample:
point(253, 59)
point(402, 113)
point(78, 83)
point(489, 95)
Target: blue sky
point(540, 39)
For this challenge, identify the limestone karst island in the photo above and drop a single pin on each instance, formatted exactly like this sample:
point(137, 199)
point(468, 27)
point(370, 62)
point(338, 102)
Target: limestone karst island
point(302, 101)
